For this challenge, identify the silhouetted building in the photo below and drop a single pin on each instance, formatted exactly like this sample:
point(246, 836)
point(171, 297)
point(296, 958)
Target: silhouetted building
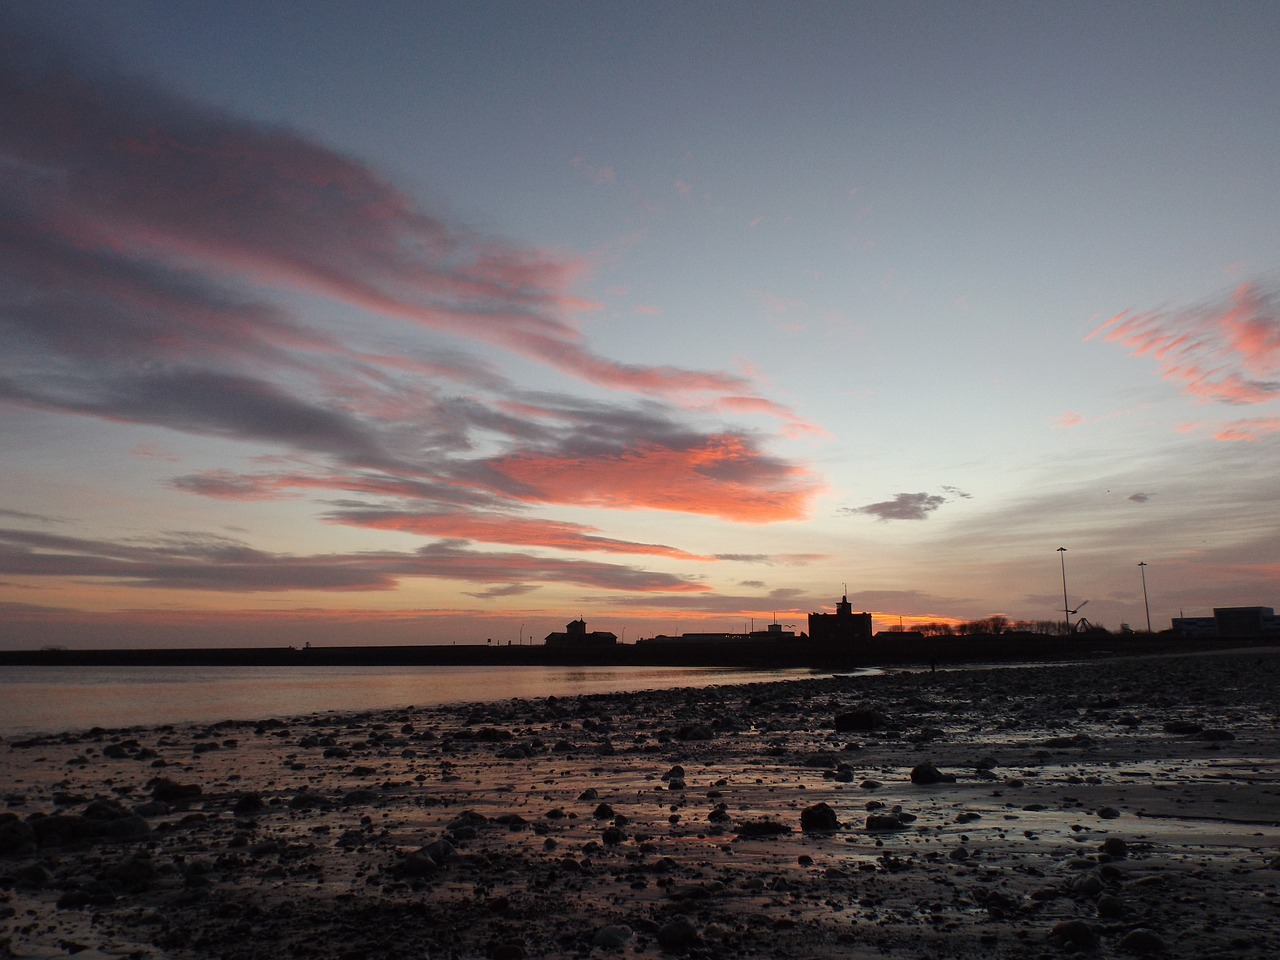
point(575, 635)
point(773, 632)
point(1195, 628)
point(1231, 622)
point(901, 636)
point(843, 626)
point(1246, 621)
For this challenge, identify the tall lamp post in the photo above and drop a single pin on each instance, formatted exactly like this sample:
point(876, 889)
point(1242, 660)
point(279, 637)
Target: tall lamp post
point(1066, 608)
point(1142, 565)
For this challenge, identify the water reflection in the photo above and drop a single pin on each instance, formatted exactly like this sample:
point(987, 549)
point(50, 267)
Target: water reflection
point(53, 699)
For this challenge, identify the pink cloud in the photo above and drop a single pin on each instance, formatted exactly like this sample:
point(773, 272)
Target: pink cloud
point(150, 175)
point(505, 528)
point(793, 424)
point(1221, 352)
point(1066, 421)
point(1249, 430)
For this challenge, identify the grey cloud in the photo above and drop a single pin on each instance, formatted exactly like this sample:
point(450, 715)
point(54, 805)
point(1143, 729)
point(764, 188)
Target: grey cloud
point(497, 593)
point(22, 515)
point(201, 562)
point(786, 593)
point(204, 402)
point(449, 560)
point(905, 506)
point(774, 559)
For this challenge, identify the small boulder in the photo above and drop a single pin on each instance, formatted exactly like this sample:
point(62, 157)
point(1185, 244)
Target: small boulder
point(695, 731)
point(761, 828)
point(17, 838)
point(860, 719)
point(885, 823)
point(819, 817)
point(1076, 935)
point(678, 935)
point(1115, 848)
point(1217, 736)
point(926, 773)
point(615, 936)
point(248, 803)
point(169, 791)
point(1143, 941)
point(418, 863)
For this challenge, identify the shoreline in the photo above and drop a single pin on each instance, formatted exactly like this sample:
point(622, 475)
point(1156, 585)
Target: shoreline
point(884, 650)
point(1084, 807)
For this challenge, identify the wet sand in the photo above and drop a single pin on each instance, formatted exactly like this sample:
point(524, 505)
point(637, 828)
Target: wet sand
point(1123, 807)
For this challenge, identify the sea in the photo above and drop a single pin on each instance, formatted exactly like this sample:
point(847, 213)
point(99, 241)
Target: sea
point(58, 699)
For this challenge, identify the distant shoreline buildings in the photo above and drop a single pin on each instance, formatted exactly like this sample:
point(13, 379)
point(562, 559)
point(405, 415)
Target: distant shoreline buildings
point(575, 635)
point(844, 628)
point(825, 629)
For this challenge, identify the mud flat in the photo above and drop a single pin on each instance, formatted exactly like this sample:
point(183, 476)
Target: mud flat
point(1128, 807)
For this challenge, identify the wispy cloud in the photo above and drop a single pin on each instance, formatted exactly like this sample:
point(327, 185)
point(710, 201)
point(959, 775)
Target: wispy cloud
point(1227, 351)
point(102, 164)
point(504, 528)
point(774, 559)
point(198, 562)
point(152, 254)
point(1249, 430)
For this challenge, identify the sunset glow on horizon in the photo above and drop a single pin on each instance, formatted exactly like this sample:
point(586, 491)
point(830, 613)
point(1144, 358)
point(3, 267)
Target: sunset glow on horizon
point(434, 323)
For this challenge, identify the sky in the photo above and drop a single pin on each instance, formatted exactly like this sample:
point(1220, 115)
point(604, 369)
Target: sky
point(453, 322)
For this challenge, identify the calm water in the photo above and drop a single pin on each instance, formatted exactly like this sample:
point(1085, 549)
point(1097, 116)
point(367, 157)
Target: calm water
point(54, 699)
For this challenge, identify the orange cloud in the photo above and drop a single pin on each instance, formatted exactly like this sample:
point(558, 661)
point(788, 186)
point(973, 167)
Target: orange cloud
point(720, 475)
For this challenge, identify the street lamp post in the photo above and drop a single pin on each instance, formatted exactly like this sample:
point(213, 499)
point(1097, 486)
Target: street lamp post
point(1066, 607)
point(1142, 565)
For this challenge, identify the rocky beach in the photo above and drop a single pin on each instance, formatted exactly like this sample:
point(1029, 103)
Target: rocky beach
point(1119, 807)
